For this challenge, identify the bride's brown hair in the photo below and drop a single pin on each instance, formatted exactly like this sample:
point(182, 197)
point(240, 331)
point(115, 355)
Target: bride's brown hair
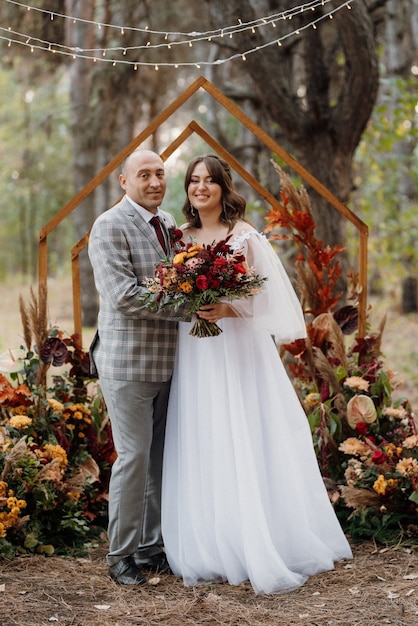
point(233, 205)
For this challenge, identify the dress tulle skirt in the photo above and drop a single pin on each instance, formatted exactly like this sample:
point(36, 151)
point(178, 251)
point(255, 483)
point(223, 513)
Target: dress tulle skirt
point(243, 498)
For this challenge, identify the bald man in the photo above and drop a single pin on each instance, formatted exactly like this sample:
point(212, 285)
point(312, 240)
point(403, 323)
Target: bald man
point(133, 352)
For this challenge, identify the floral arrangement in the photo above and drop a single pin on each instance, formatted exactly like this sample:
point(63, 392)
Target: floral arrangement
point(55, 444)
point(175, 236)
point(366, 441)
point(201, 274)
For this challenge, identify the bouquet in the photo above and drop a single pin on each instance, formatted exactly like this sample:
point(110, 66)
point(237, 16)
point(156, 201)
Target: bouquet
point(201, 274)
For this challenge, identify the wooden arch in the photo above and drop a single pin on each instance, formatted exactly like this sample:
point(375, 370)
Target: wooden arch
point(195, 127)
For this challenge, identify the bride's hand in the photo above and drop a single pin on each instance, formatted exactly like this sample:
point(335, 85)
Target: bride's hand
point(215, 312)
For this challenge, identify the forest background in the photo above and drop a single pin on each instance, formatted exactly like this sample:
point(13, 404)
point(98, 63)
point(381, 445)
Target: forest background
point(333, 82)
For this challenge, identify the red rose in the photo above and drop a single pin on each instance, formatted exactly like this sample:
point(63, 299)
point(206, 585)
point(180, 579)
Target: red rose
point(240, 269)
point(361, 428)
point(379, 457)
point(202, 283)
point(220, 262)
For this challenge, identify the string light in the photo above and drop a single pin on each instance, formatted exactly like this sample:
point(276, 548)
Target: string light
point(91, 54)
point(197, 37)
point(217, 32)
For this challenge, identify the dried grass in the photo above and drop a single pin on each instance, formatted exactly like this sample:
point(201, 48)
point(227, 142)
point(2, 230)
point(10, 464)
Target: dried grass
point(356, 498)
point(34, 317)
point(378, 587)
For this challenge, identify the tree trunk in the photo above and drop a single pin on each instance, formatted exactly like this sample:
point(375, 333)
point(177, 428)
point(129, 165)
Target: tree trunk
point(319, 86)
point(104, 110)
point(410, 295)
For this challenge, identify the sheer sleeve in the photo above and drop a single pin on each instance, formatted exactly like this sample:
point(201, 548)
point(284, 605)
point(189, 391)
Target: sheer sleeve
point(276, 309)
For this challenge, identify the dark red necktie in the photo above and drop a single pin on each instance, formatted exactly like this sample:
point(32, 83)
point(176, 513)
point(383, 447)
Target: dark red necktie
point(157, 226)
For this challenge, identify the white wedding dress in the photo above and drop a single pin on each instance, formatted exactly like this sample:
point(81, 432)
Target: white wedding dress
point(243, 498)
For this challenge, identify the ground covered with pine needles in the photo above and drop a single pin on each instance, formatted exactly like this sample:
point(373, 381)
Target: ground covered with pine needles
point(379, 586)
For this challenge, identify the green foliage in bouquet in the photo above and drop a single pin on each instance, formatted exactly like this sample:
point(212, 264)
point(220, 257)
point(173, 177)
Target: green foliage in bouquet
point(55, 443)
point(366, 442)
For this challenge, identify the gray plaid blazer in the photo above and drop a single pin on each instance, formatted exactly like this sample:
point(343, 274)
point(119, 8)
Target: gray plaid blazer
point(132, 343)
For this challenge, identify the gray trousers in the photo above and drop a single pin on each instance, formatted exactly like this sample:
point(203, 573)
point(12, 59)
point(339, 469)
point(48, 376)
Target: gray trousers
point(137, 414)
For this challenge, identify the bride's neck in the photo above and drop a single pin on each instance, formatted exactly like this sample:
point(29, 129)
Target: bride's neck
point(210, 221)
point(210, 231)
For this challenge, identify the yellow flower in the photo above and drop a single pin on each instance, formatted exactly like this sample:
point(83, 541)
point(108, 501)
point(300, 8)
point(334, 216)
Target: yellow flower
point(20, 421)
point(55, 405)
point(179, 258)
point(390, 449)
point(380, 485)
point(3, 489)
point(194, 250)
point(73, 495)
point(80, 407)
point(56, 452)
point(185, 286)
point(2, 530)
point(356, 382)
point(312, 399)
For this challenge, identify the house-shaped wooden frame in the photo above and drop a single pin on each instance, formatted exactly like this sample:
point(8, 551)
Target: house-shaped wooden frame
point(195, 127)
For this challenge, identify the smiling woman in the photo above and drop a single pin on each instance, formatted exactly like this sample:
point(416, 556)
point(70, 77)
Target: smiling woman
point(234, 434)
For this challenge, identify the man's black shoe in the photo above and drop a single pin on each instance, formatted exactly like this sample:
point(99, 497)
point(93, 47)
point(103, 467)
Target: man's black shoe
point(157, 564)
point(126, 572)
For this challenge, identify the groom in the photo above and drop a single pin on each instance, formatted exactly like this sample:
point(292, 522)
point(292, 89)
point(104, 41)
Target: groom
point(133, 353)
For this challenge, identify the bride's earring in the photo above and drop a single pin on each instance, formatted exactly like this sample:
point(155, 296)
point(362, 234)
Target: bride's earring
point(193, 211)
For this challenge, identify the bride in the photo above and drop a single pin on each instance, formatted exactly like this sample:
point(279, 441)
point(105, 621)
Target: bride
point(243, 498)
